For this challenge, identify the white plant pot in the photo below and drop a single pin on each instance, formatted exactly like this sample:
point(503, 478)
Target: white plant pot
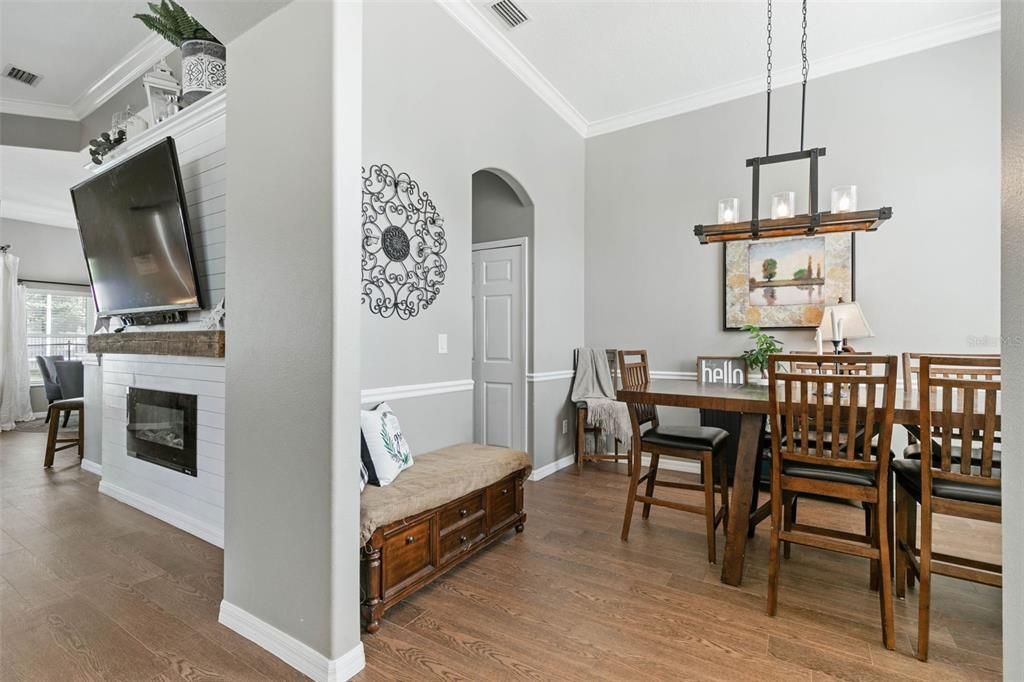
point(203, 69)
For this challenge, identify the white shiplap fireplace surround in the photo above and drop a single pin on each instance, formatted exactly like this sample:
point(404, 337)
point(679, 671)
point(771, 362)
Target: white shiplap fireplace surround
point(194, 504)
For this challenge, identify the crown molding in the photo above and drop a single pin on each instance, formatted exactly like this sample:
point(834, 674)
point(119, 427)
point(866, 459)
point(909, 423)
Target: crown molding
point(951, 32)
point(24, 107)
point(33, 213)
point(466, 13)
point(137, 62)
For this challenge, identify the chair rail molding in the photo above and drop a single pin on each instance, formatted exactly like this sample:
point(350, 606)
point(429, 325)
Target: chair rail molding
point(298, 655)
point(369, 395)
point(556, 375)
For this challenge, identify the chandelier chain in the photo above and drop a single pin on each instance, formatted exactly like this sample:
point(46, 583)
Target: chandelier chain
point(803, 45)
point(769, 48)
point(768, 107)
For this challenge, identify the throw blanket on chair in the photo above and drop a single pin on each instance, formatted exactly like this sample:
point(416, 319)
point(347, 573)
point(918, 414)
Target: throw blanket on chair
point(593, 385)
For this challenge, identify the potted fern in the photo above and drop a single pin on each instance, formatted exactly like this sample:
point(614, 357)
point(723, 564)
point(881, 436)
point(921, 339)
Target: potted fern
point(203, 57)
point(764, 345)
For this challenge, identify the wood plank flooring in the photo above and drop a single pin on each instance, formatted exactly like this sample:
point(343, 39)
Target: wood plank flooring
point(91, 589)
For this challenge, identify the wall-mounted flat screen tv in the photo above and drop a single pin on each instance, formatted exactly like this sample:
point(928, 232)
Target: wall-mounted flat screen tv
point(134, 225)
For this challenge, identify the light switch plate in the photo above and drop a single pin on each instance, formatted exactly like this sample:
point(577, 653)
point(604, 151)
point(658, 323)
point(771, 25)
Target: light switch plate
point(442, 344)
point(565, 426)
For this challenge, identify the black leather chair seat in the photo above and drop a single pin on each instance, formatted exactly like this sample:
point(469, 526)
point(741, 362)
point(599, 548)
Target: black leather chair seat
point(908, 473)
point(827, 473)
point(686, 437)
point(913, 451)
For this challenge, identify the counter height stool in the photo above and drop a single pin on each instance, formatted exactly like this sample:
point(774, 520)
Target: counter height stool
point(812, 453)
point(54, 412)
point(703, 444)
point(959, 403)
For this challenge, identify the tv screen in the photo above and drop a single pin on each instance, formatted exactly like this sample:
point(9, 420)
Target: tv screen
point(133, 221)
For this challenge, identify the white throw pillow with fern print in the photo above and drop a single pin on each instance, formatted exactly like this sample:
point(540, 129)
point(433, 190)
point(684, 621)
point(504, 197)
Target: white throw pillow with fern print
point(389, 453)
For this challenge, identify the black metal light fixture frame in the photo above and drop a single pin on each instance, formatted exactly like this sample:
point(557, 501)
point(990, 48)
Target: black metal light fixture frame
point(810, 223)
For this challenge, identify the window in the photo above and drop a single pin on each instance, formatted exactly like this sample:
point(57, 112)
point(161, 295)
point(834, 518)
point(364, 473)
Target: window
point(58, 322)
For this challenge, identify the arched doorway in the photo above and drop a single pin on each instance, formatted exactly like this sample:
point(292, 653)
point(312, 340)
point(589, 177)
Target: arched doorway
point(502, 327)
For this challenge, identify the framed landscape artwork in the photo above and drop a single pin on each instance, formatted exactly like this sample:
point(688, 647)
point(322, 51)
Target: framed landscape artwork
point(786, 283)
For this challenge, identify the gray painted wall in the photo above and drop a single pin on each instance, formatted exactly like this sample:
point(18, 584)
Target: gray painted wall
point(47, 252)
point(282, 514)
point(41, 133)
point(1013, 336)
point(498, 212)
point(439, 106)
point(133, 95)
point(919, 133)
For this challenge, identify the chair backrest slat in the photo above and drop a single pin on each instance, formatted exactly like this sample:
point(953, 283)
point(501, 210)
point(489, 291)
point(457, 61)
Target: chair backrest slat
point(832, 407)
point(635, 372)
point(959, 401)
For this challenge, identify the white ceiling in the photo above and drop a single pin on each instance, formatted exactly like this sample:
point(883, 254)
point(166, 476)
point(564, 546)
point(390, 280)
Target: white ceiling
point(618, 63)
point(602, 65)
point(71, 44)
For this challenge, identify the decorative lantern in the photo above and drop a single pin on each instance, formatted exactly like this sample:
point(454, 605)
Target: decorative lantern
point(161, 92)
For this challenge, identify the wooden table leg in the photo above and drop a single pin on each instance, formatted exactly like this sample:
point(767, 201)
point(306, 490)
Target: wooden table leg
point(744, 483)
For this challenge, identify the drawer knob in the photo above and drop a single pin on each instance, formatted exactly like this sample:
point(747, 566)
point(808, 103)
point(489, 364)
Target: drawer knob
point(504, 491)
point(462, 539)
point(463, 512)
point(410, 539)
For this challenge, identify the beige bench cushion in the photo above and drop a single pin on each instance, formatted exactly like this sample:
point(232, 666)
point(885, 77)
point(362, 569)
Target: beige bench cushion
point(434, 479)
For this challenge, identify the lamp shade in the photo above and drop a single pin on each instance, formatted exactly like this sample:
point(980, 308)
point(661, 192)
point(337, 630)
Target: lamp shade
point(855, 325)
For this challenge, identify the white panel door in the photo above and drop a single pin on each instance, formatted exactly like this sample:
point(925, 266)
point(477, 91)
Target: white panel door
point(499, 354)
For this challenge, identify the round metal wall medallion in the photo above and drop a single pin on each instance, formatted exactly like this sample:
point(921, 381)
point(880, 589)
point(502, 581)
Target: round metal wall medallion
point(403, 243)
point(395, 243)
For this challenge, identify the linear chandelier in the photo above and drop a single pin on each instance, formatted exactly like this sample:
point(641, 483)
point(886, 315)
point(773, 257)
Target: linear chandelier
point(840, 219)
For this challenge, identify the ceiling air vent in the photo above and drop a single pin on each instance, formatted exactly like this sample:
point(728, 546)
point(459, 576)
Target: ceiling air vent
point(510, 13)
point(21, 75)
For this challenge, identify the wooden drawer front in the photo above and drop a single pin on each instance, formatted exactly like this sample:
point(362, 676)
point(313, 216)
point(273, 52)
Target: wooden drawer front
point(460, 540)
point(462, 511)
point(503, 501)
point(407, 555)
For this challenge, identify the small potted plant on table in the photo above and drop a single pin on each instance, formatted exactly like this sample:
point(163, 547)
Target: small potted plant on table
point(764, 345)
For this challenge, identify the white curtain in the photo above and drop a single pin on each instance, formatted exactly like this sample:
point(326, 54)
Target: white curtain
point(15, 403)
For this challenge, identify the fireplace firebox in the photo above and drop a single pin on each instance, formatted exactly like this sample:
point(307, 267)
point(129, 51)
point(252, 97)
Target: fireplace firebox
point(162, 428)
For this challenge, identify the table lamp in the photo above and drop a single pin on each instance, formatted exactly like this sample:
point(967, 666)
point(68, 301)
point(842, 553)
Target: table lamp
point(841, 322)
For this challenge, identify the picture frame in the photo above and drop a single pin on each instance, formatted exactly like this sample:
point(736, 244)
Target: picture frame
point(786, 283)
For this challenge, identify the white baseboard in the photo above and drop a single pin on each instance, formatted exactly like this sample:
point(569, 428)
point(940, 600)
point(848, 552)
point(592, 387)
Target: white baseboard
point(548, 469)
point(668, 464)
point(189, 524)
point(302, 657)
point(92, 467)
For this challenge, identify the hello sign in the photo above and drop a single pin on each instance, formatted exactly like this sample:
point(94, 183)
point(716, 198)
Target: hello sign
point(724, 371)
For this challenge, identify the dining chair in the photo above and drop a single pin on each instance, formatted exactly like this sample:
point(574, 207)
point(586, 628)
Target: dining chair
point(958, 398)
point(836, 402)
point(703, 444)
point(790, 511)
point(48, 372)
point(582, 429)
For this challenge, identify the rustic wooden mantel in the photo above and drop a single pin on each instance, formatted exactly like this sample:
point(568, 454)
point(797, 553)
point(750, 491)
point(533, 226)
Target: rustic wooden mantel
point(198, 343)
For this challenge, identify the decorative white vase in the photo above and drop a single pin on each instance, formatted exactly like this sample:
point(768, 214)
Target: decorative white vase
point(203, 69)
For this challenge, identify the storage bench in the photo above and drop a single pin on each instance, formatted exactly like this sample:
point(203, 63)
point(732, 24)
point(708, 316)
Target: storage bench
point(449, 505)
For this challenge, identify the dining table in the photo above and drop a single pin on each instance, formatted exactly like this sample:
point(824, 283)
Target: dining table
point(751, 402)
